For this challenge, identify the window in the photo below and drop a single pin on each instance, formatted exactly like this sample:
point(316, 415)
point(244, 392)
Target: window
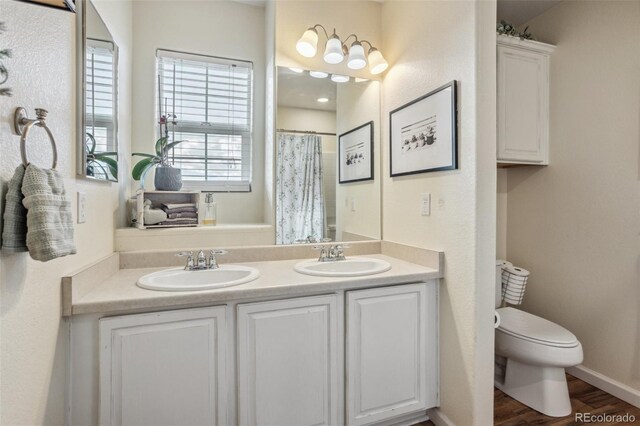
point(211, 99)
point(100, 100)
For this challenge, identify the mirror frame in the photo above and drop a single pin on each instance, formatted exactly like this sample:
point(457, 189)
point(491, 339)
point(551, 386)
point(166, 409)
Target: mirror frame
point(81, 60)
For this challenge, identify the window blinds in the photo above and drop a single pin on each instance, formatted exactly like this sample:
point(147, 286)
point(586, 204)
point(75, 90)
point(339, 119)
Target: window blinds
point(212, 101)
point(99, 94)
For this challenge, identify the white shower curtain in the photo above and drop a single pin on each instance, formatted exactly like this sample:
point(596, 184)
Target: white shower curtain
point(299, 193)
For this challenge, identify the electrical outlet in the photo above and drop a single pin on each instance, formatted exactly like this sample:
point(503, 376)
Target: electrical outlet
point(82, 207)
point(425, 204)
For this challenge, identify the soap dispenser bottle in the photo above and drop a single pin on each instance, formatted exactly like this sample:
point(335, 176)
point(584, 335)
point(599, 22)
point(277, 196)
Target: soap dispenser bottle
point(210, 210)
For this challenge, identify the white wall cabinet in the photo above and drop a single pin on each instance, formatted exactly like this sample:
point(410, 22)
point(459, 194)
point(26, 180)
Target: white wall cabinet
point(288, 372)
point(391, 352)
point(164, 368)
point(523, 101)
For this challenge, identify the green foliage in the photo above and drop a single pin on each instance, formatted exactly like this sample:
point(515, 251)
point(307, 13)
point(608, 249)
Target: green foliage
point(162, 149)
point(100, 159)
point(506, 28)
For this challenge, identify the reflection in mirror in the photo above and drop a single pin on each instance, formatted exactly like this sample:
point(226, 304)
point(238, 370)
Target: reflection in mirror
point(311, 205)
point(99, 145)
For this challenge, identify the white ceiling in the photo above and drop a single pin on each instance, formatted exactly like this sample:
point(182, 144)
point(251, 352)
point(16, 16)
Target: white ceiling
point(302, 91)
point(517, 12)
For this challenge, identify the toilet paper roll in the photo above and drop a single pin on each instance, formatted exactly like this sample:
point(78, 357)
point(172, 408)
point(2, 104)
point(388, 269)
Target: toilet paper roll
point(516, 271)
point(496, 320)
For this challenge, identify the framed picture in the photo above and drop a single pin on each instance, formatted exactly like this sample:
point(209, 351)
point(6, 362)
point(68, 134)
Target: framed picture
point(355, 154)
point(69, 5)
point(423, 135)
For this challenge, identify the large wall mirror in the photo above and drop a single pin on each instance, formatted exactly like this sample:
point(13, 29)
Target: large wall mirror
point(327, 174)
point(98, 121)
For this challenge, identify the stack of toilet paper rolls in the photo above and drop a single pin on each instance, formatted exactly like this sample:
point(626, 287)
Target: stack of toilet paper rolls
point(514, 283)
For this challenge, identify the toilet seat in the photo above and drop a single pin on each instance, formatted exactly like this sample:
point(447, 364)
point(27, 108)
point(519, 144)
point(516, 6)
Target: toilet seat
point(523, 325)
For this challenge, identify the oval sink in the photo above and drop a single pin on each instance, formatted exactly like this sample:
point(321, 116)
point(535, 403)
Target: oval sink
point(177, 279)
point(352, 267)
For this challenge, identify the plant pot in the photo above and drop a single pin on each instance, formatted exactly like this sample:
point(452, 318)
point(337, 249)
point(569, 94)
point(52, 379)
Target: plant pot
point(168, 178)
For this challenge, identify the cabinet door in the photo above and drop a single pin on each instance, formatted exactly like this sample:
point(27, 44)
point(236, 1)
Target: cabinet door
point(288, 362)
point(523, 105)
point(163, 368)
point(392, 352)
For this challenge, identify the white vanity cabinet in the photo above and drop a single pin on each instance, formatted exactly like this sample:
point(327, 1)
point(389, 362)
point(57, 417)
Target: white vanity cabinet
point(391, 352)
point(288, 362)
point(523, 101)
point(164, 368)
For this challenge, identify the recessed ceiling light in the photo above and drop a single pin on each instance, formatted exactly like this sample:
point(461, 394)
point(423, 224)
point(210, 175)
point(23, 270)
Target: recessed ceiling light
point(297, 70)
point(323, 100)
point(318, 74)
point(337, 78)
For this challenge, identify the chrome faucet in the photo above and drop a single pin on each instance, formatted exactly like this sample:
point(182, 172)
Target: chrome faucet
point(201, 263)
point(331, 253)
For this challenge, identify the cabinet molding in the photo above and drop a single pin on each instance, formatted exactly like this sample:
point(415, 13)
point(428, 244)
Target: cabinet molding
point(288, 367)
point(523, 68)
point(392, 356)
point(164, 368)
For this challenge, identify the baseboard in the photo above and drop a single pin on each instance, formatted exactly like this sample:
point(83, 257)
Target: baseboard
point(607, 384)
point(439, 418)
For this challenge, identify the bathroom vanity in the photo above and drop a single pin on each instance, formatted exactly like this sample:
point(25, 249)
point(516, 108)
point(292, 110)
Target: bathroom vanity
point(284, 349)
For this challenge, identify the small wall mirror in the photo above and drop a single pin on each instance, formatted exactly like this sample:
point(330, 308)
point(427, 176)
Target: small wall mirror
point(327, 165)
point(98, 132)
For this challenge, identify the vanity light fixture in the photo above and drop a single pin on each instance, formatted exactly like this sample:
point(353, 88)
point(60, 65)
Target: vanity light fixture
point(337, 78)
point(336, 50)
point(318, 74)
point(323, 100)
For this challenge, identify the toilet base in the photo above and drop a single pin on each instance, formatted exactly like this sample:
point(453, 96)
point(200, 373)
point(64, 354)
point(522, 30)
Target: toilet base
point(542, 388)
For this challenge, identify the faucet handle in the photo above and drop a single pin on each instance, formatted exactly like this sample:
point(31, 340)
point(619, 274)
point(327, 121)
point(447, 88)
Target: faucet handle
point(323, 252)
point(189, 256)
point(213, 262)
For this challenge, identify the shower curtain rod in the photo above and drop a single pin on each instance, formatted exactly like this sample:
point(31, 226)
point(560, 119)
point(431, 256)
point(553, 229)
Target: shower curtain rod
point(309, 132)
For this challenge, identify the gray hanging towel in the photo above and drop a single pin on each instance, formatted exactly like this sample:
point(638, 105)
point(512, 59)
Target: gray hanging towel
point(49, 219)
point(14, 232)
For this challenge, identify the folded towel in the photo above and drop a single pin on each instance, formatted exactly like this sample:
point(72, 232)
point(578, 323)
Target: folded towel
point(192, 222)
point(178, 205)
point(179, 210)
point(14, 233)
point(184, 215)
point(49, 219)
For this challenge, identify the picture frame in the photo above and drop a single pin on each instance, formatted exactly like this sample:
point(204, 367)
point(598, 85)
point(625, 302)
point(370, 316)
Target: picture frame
point(423, 133)
point(68, 5)
point(355, 154)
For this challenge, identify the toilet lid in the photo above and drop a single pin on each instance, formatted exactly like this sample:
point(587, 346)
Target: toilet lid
point(530, 327)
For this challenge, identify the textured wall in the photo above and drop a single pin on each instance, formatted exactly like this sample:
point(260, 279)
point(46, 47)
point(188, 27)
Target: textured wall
point(33, 336)
point(575, 223)
point(429, 44)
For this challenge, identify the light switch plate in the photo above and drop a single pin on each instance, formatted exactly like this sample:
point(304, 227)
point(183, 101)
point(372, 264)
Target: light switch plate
point(82, 207)
point(353, 204)
point(425, 204)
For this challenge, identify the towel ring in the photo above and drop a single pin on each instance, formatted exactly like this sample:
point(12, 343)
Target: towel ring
point(22, 124)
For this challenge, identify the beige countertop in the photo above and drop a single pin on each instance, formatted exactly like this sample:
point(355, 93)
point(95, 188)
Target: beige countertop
point(119, 292)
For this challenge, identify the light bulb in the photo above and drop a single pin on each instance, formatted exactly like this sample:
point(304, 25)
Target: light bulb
point(357, 60)
point(318, 74)
point(333, 51)
point(337, 78)
point(307, 45)
point(297, 70)
point(323, 100)
point(377, 63)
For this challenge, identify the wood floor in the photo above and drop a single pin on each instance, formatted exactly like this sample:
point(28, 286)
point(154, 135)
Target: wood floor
point(584, 399)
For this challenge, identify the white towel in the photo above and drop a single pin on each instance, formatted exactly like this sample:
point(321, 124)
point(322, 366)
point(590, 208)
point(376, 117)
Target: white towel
point(14, 232)
point(49, 219)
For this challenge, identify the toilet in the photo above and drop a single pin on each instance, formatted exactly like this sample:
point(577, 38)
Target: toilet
point(531, 354)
